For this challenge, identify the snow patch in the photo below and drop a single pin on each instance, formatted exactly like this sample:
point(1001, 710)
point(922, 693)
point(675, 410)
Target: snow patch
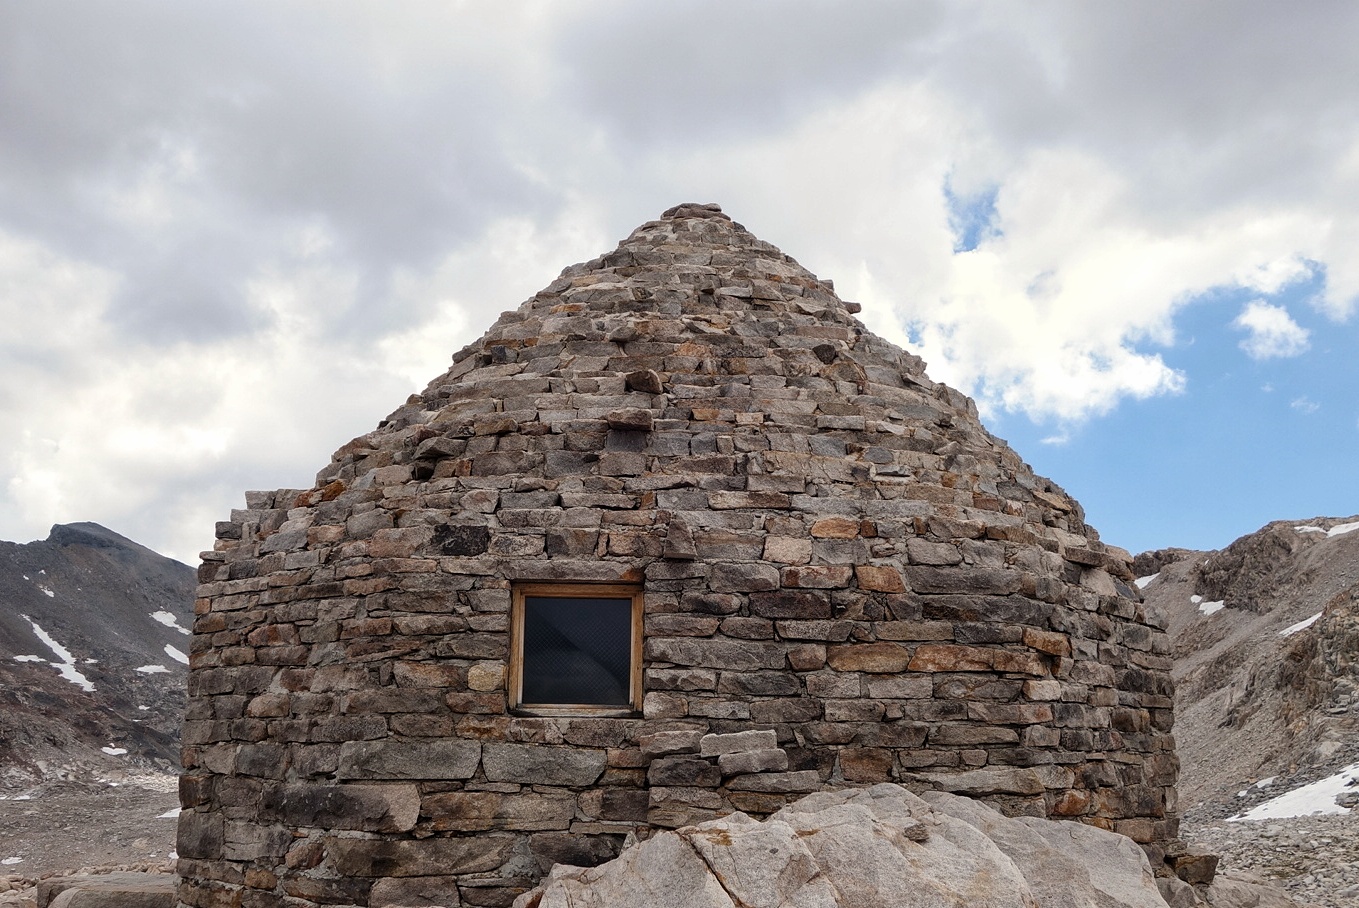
point(1302, 625)
point(1309, 529)
point(176, 654)
point(1211, 608)
point(151, 669)
point(72, 674)
point(169, 814)
point(1196, 599)
point(29, 659)
point(1338, 530)
point(12, 861)
point(114, 751)
point(1318, 797)
point(47, 592)
point(1143, 582)
point(65, 665)
point(169, 620)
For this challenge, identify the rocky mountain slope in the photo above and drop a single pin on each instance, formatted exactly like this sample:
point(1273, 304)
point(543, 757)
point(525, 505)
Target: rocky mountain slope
point(93, 657)
point(1266, 636)
point(1267, 659)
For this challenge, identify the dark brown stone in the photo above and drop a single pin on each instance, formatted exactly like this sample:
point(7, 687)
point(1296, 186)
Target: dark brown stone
point(1196, 868)
point(963, 579)
point(409, 760)
point(415, 891)
point(417, 858)
point(743, 577)
point(475, 811)
point(683, 771)
point(461, 540)
point(623, 805)
point(758, 684)
point(550, 848)
point(645, 380)
point(881, 658)
point(866, 764)
point(373, 808)
point(795, 604)
point(535, 764)
point(200, 835)
point(818, 577)
point(572, 542)
point(630, 419)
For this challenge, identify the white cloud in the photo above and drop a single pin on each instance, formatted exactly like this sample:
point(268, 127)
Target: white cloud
point(221, 257)
point(1304, 405)
point(1270, 331)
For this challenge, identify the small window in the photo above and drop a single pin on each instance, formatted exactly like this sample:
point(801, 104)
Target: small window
point(576, 649)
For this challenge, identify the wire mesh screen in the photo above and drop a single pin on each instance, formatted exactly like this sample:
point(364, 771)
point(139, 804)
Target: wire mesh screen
point(577, 651)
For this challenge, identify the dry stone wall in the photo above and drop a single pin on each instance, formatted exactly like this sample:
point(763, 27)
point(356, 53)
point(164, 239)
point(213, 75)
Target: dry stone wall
point(846, 581)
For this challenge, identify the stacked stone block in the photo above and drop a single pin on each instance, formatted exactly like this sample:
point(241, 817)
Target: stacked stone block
point(846, 580)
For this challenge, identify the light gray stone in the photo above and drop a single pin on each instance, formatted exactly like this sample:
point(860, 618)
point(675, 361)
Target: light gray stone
point(1008, 780)
point(778, 782)
point(753, 761)
point(670, 742)
point(409, 760)
point(756, 739)
point(540, 764)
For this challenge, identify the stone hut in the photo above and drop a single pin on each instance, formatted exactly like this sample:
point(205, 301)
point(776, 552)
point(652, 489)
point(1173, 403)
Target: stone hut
point(677, 537)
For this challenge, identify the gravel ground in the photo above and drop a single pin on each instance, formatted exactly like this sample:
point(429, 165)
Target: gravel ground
point(1316, 858)
point(61, 827)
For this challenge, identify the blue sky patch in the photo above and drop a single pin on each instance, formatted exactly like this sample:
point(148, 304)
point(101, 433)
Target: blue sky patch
point(1247, 441)
point(972, 218)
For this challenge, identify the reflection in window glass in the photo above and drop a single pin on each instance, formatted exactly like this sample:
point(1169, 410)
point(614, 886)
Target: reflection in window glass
point(577, 651)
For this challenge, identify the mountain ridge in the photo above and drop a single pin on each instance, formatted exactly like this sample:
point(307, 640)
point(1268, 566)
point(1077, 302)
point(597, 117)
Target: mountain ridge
point(93, 656)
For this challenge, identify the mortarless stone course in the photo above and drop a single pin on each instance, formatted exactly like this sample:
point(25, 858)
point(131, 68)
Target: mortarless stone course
point(846, 579)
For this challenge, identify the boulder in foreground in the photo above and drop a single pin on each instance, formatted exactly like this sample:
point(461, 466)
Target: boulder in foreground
point(880, 846)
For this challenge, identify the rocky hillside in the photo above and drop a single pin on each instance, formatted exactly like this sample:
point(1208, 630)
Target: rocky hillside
point(93, 657)
point(1267, 660)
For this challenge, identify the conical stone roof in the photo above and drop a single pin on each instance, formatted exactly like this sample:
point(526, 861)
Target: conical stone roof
point(846, 579)
point(696, 356)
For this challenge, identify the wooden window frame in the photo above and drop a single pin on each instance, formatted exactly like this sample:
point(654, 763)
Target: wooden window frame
point(521, 592)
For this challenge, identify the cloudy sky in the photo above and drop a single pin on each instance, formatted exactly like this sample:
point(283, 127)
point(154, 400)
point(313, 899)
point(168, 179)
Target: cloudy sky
point(235, 235)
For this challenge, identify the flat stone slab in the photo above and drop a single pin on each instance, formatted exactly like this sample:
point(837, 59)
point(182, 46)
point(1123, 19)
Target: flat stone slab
point(109, 890)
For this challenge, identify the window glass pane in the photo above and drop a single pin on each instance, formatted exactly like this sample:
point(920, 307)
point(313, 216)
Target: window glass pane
point(577, 650)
